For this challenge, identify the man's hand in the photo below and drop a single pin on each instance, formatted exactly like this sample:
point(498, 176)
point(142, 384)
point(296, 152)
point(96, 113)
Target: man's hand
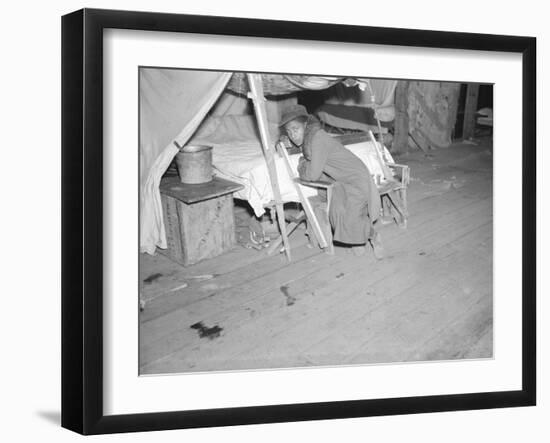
point(285, 141)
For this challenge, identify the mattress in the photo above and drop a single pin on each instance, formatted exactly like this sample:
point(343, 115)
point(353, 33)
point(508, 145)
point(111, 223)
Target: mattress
point(244, 163)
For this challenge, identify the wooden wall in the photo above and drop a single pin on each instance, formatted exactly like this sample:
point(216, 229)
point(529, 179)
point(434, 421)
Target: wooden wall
point(425, 114)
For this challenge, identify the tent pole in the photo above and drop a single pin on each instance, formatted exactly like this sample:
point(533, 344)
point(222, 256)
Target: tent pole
point(257, 96)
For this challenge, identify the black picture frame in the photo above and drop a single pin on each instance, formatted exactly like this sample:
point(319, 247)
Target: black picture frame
point(82, 221)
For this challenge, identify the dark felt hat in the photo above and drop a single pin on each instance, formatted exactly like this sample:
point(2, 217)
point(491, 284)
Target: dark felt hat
point(293, 112)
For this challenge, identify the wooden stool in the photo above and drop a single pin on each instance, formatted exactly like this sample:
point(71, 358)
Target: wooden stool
point(394, 194)
point(322, 210)
point(198, 219)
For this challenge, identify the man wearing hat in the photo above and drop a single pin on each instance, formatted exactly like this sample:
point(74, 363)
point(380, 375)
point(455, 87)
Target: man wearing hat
point(355, 204)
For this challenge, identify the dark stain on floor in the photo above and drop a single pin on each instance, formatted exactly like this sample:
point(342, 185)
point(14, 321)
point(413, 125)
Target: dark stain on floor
point(340, 275)
point(207, 332)
point(152, 278)
point(290, 300)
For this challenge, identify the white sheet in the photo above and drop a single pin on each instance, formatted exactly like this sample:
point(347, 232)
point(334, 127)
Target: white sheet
point(243, 162)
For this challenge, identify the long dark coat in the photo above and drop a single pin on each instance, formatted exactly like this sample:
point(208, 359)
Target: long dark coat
point(355, 201)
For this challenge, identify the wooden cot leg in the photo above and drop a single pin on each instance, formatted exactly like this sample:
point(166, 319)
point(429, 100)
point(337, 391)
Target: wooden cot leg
point(399, 210)
point(403, 195)
point(276, 244)
point(385, 210)
point(330, 241)
point(321, 212)
point(327, 230)
point(310, 236)
point(387, 205)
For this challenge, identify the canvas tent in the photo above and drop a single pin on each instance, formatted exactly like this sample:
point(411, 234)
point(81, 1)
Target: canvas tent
point(174, 103)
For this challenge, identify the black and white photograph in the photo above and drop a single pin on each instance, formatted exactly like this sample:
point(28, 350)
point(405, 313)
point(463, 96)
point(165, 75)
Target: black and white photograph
point(275, 222)
point(311, 220)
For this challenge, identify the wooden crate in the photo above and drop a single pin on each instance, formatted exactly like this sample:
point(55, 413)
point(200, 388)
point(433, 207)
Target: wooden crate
point(198, 219)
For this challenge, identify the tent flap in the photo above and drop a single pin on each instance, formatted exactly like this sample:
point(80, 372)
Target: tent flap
point(173, 103)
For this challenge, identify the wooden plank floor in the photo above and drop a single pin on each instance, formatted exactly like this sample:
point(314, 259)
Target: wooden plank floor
point(429, 299)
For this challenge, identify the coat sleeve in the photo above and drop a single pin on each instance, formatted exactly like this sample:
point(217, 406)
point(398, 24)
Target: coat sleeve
point(313, 169)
